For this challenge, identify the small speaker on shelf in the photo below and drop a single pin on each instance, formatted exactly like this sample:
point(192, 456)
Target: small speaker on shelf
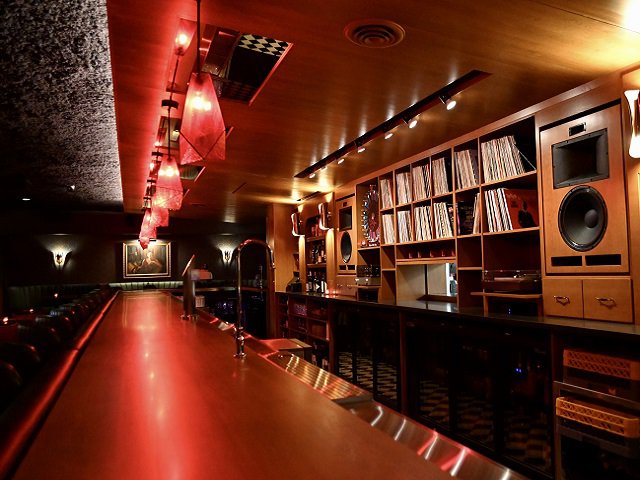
point(583, 195)
point(346, 236)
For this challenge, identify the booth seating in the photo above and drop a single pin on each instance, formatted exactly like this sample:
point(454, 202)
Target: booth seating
point(164, 285)
point(38, 351)
point(23, 298)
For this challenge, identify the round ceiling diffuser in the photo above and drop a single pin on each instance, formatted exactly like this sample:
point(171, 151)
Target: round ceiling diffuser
point(374, 33)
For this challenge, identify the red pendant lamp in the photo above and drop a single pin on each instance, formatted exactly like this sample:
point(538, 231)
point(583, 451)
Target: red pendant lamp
point(168, 186)
point(159, 215)
point(202, 133)
point(148, 229)
point(144, 242)
point(186, 30)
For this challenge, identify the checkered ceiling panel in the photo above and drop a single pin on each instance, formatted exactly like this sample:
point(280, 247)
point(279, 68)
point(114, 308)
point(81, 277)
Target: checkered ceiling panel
point(269, 46)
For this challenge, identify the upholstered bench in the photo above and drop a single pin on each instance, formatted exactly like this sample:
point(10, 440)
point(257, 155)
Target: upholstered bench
point(42, 365)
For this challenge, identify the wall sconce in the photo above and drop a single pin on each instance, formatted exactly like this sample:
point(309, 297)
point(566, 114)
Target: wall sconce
point(227, 253)
point(296, 229)
point(633, 97)
point(325, 216)
point(59, 258)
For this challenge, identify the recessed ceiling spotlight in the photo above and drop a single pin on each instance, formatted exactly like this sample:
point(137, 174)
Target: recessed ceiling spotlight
point(71, 188)
point(388, 135)
point(26, 199)
point(449, 102)
point(312, 175)
point(361, 148)
point(341, 161)
point(412, 122)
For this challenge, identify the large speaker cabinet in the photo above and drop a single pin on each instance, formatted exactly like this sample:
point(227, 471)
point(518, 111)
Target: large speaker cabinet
point(584, 195)
point(346, 240)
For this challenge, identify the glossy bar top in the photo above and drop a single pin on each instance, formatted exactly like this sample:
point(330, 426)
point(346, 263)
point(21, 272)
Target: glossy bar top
point(156, 397)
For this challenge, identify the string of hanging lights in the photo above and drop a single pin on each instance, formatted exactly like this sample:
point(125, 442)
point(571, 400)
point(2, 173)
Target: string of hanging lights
point(201, 137)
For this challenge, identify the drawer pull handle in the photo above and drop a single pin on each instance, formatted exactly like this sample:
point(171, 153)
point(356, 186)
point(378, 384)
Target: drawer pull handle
point(561, 299)
point(606, 301)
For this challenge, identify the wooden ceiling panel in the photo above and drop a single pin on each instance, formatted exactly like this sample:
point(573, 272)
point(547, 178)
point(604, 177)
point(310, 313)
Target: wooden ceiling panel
point(328, 91)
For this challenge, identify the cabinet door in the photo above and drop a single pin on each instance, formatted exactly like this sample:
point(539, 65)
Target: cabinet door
point(607, 299)
point(562, 297)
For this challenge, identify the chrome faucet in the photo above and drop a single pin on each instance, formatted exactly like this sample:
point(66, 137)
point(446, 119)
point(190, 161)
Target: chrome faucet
point(239, 329)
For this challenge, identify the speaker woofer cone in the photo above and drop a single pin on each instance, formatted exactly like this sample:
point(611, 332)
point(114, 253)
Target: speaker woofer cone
point(346, 247)
point(582, 218)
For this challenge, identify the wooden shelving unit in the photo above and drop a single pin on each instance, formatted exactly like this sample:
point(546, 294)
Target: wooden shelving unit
point(315, 255)
point(430, 201)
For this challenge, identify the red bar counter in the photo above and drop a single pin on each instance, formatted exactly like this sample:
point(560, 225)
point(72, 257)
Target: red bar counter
point(156, 397)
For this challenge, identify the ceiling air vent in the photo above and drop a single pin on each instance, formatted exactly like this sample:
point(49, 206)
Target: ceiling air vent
point(374, 33)
point(241, 62)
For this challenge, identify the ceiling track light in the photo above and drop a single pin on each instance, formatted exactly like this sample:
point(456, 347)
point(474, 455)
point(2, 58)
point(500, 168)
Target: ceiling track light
point(408, 116)
point(411, 122)
point(448, 102)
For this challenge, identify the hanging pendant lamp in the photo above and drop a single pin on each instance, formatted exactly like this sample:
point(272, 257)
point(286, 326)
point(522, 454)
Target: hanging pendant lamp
point(144, 242)
point(168, 186)
point(159, 215)
point(148, 229)
point(202, 133)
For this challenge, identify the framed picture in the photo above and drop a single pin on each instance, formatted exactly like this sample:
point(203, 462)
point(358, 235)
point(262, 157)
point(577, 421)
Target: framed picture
point(154, 261)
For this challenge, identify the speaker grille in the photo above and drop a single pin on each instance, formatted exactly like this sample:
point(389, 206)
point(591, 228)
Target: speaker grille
point(582, 218)
point(345, 247)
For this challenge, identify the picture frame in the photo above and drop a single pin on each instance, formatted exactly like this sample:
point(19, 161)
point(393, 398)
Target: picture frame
point(152, 262)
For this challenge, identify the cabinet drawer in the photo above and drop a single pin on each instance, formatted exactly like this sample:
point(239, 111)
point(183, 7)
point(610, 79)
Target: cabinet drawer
point(562, 297)
point(607, 299)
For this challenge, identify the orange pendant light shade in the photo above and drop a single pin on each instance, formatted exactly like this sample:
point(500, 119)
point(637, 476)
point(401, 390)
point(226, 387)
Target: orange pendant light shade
point(148, 229)
point(168, 186)
point(159, 215)
point(184, 36)
point(202, 134)
point(144, 242)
